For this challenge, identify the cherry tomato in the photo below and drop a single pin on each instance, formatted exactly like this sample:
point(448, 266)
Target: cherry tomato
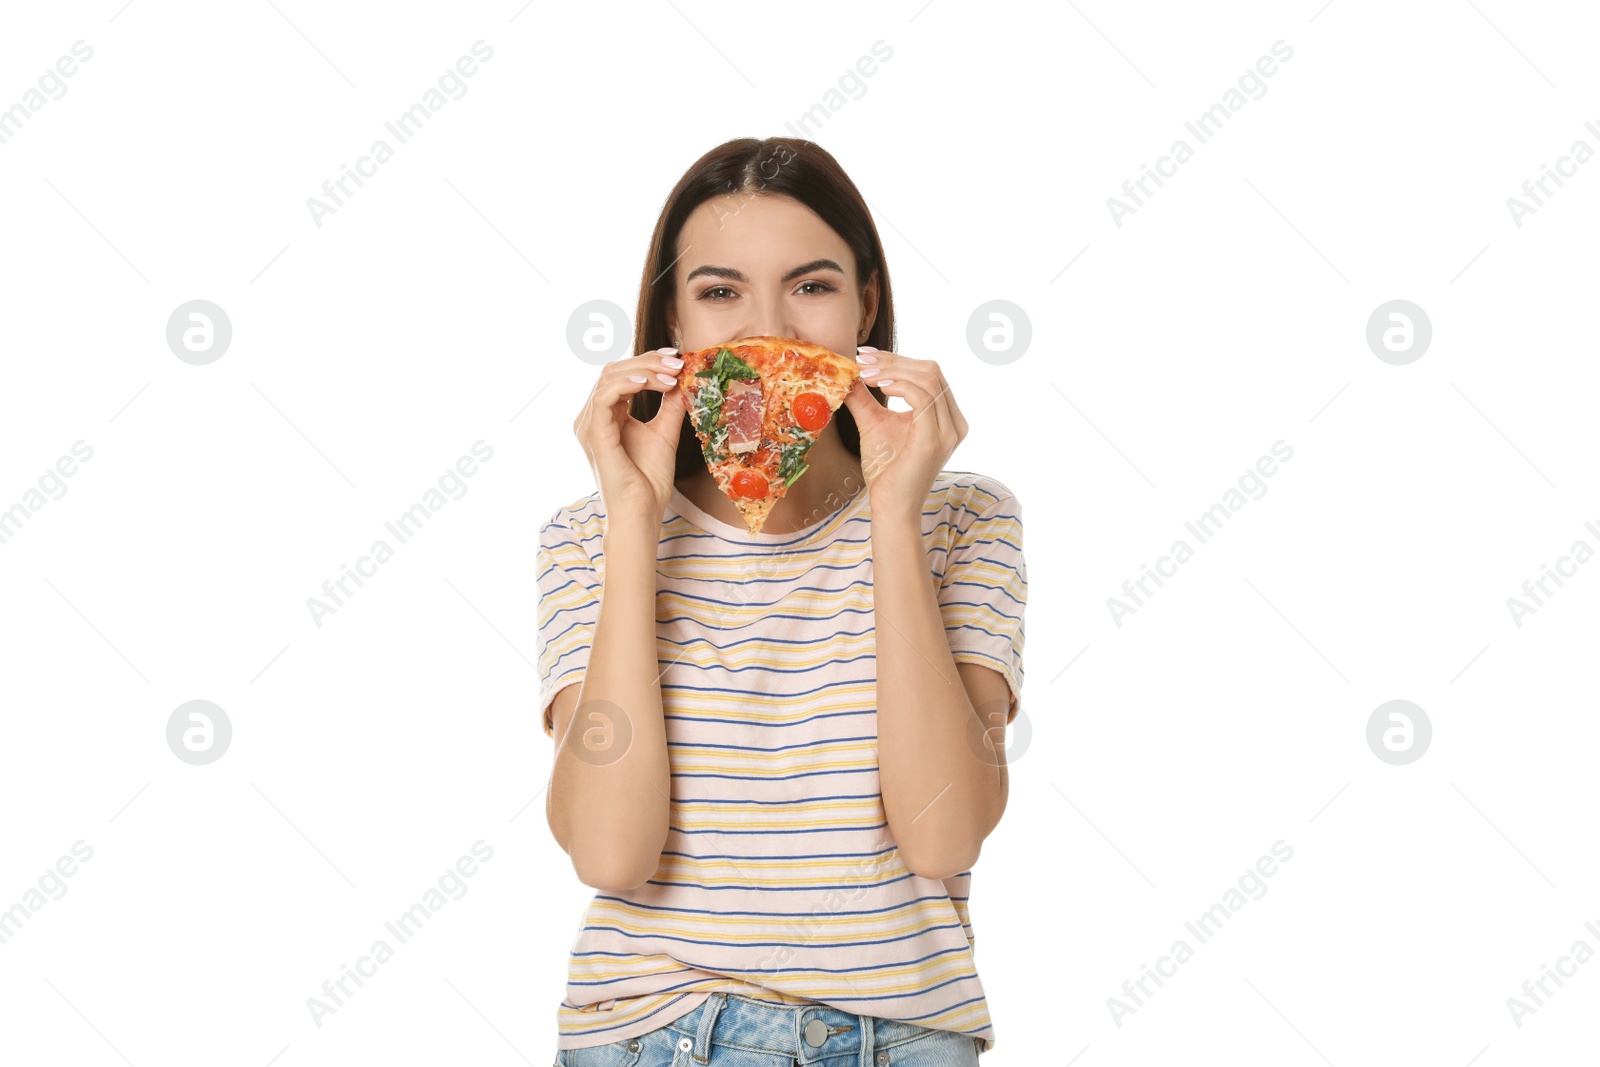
point(811, 411)
point(749, 484)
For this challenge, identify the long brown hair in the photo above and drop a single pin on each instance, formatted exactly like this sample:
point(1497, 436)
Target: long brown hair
point(779, 166)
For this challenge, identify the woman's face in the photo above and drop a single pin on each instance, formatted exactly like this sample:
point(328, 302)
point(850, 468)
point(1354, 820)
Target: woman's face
point(753, 264)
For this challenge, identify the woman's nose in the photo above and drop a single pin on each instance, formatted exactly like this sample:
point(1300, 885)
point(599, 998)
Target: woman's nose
point(770, 328)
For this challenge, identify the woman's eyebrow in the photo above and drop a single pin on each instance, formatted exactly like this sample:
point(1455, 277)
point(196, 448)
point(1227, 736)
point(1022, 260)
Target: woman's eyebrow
point(815, 264)
point(737, 276)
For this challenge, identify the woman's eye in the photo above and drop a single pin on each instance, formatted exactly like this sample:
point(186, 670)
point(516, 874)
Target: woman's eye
point(822, 287)
point(707, 295)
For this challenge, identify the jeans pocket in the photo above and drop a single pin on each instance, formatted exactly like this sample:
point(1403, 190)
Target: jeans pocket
point(624, 1053)
point(933, 1048)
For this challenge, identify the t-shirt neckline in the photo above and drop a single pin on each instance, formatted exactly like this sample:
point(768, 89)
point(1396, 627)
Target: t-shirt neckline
point(741, 536)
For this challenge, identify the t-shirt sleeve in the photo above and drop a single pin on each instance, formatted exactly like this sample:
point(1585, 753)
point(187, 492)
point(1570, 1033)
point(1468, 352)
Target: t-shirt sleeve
point(569, 605)
point(984, 590)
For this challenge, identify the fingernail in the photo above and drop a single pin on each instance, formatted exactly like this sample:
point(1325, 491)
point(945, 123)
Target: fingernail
point(868, 372)
point(863, 357)
point(636, 378)
point(672, 361)
point(674, 351)
point(865, 348)
point(885, 381)
point(666, 379)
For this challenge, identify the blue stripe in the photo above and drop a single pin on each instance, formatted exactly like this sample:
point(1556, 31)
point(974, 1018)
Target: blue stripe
point(631, 1022)
point(764, 618)
point(551, 546)
point(773, 833)
point(779, 778)
point(555, 668)
point(556, 615)
point(756, 581)
point(672, 883)
point(556, 637)
point(774, 725)
point(779, 803)
point(865, 585)
point(757, 551)
point(564, 570)
point(744, 945)
point(770, 914)
point(980, 629)
point(980, 604)
point(825, 639)
point(829, 639)
point(785, 970)
point(795, 693)
point(1001, 589)
point(792, 856)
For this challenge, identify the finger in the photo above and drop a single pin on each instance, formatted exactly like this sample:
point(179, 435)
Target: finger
point(659, 380)
point(672, 409)
point(946, 400)
point(916, 393)
point(861, 401)
point(658, 360)
point(957, 419)
point(664, 358)
point(607, 406)
point(600, 425)
point(657, 369)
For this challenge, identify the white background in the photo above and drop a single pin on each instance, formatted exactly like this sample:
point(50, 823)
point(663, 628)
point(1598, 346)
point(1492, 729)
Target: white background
point(1167, 754)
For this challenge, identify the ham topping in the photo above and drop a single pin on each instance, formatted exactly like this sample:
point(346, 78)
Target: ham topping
point(744, 413)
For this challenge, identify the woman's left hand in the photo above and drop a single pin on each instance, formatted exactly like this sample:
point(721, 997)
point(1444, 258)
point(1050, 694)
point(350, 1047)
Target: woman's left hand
point(903, 451)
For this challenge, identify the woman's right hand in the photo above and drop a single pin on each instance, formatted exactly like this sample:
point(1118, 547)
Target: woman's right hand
point(633, 461)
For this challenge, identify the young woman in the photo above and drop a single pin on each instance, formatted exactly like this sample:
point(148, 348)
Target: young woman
point(778, 753)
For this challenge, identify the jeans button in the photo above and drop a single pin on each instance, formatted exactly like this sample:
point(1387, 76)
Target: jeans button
point(883, 1057)
point(633, 1046)
point(816, 1033)
point(684, 1044)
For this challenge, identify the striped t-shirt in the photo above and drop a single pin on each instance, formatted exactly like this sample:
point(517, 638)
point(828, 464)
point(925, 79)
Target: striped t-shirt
point(779, 879)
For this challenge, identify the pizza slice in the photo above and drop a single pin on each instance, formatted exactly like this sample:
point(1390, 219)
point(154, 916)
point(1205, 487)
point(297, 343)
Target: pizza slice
point(758, 404)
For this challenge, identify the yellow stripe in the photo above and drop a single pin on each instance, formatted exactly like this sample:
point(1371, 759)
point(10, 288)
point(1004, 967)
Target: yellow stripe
point(715, 925)
point(819, 825)
point(822, 601)
point(860, 926)
point(829, 986)
point(890, 863)
point(767, 653)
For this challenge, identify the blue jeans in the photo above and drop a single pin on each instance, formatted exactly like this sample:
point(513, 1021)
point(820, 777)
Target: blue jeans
point(729, 1030)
